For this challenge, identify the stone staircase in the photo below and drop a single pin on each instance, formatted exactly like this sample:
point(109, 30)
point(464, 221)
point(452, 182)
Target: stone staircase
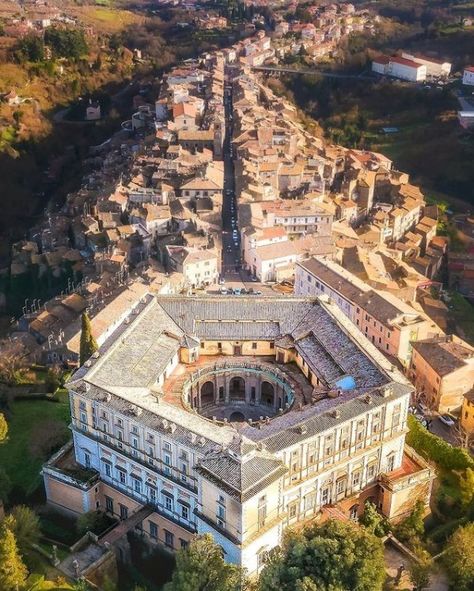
point(121, 529)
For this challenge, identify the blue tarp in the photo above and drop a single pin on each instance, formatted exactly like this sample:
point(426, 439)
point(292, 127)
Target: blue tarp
point(346, 383)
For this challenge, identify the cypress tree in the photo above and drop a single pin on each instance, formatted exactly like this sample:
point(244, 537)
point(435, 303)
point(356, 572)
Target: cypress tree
point(88, 342)
point(13, 572)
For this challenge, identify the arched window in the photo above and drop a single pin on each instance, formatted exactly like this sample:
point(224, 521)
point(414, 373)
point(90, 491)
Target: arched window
point(267, 393)
point(207, 393)
point(237, 388)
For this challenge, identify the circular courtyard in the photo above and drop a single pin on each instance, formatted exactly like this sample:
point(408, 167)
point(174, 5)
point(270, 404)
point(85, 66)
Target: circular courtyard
point(239, 391)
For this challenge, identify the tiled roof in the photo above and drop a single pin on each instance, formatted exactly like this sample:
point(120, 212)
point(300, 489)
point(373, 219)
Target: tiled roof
point(444, 354)
point(297, 426)
point(242, 477)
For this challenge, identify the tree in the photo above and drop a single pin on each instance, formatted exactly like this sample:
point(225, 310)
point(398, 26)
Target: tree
point(3, 427)
point(24, 524)
point(459, 558)
point(330, 557)
point(68, 43)
point(466, 488)
point(37, 582)
point(373, 520)
point(30, 48)
point(421, 569)
point(12, 360)
point(13, 572)
point(88, 344)
point(201, 566)
point(412, 528)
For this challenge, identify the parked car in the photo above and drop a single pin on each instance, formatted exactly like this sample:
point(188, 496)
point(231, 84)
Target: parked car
point(448, 420)
point(237, 291)
point(422, 419)
point(224, 291)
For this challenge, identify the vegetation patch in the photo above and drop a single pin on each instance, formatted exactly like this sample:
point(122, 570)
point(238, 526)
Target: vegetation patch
point(35, 429)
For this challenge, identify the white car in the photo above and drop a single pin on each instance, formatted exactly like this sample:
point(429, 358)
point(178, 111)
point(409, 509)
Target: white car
point(447, 420)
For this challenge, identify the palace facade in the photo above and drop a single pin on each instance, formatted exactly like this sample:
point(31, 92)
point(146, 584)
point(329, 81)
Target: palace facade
point(238, 416)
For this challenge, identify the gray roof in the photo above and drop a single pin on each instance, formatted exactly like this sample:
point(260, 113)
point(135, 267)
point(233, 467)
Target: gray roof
point(294, 427)
point(336, 281)
point(142, 352)
point(331, 353)
point(198, 314)
point(243, 477)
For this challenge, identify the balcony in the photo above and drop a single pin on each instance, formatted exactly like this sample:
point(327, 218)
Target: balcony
point(414, 470)
point(62, 466)
point(158, 507)
point(136, 455)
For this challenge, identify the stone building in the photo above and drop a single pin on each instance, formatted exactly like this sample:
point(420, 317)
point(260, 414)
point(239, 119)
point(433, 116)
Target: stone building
point(239, 417)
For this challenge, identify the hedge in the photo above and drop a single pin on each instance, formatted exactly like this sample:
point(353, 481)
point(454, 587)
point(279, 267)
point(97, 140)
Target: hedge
point(437, 450)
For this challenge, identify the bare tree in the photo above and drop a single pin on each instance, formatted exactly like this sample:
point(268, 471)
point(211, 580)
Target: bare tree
point(13, 358)
point(462, 437)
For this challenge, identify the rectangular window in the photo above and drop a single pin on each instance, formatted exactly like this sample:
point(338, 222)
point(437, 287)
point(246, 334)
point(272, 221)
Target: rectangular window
point(254, 346)
point(153, 530)
point(122, 476)
point(167, 464)
point(169, 539)
point(123, 511)
point(183, 543)
point(108, 469)
point(370, 472)
point(262, 511)
point(309, 501)
point(109, 504)
point(293, 510)
point(341, 486)
point(325, 496)
point(221, 512)
point(184, 511)
point(168, 499)
point(137, 485)
point(396, 416)
point(356, 479)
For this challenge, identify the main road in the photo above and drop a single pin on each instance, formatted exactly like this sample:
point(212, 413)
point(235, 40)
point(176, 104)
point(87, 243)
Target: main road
point(231, 264)
point(231, 235)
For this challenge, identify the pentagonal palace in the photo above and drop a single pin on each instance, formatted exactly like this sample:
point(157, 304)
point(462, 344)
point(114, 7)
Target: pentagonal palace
point(237, 416)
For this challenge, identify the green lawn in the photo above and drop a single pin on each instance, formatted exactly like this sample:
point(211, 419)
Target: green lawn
point(15, 457)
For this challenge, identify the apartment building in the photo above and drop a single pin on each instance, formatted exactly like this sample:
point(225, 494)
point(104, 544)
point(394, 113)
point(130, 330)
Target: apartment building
point(198, 267)
point(442, 370)
point(390, 324)
point(467, 413)
point(297, 217)
point(400, 67)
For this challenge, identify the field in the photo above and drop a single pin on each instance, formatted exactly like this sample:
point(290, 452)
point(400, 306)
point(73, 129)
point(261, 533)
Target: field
point(105, 19)
point(15, 454)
